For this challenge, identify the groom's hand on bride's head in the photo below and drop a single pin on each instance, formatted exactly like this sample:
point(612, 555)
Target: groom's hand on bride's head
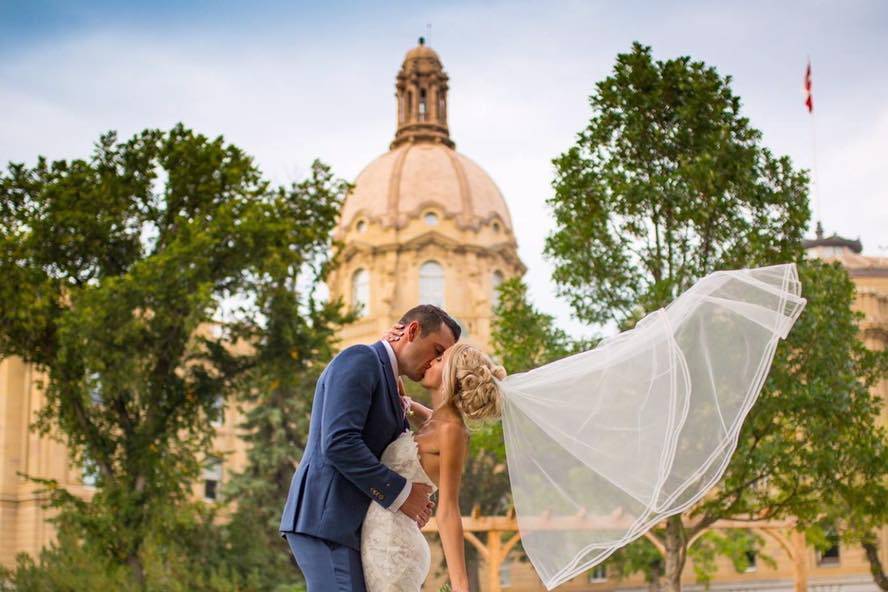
point(418, 507)
point(394, 334)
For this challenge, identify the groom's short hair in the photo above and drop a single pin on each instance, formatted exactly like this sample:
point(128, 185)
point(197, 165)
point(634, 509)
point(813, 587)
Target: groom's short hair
point(430, 318)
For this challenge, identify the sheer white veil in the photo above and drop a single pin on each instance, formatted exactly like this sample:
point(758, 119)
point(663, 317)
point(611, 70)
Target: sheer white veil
point(603, 445)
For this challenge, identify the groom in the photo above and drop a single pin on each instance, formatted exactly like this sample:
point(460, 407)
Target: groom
point(356, 413)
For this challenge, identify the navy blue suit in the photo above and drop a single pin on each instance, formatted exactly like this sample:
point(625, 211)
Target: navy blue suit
point(355, 415)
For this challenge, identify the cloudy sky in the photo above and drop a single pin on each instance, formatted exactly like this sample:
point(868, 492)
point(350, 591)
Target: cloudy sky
point(292, 81)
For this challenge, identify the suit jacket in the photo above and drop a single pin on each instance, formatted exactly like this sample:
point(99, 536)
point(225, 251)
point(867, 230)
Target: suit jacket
point(356, 413)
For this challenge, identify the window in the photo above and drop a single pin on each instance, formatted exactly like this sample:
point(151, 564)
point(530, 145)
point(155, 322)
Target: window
point(361, 226)
point(597, 574)
point(831, 555)
point(441, 115)
point(431, 283)
point(751, 557)
point(431, 218)
point(422, 104)
point(361, 292)
point(217, 413)
point(90, 472)
point(94, 385)
point(496, 279)
point(212, 478)
point(496, 227)
point(409, 109)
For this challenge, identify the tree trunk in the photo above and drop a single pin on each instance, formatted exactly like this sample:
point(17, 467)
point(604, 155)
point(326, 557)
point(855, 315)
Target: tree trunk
point(473, 571)
point(655, 584)
point(137, 571)
point(870, 545)
point(676, 553)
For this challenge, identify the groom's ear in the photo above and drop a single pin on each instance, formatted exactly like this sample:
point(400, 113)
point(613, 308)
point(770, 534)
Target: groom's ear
point(413, 330)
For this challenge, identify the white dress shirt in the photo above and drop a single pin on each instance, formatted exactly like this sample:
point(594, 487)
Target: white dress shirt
point(399, 501)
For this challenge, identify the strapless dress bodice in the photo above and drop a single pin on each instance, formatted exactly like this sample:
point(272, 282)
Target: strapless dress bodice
point(394, 553)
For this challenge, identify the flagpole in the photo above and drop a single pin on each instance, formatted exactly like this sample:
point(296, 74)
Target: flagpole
point(815, 185)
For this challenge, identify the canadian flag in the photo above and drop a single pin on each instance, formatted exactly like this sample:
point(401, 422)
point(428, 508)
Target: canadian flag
point(809, 98)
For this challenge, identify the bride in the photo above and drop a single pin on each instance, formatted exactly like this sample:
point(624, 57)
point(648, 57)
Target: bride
point(601, 446)
point(394, 553)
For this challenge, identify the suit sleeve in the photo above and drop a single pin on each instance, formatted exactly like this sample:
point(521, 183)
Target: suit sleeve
point(351, 380)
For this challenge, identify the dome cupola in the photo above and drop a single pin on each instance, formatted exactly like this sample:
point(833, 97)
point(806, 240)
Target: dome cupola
point(421, 90)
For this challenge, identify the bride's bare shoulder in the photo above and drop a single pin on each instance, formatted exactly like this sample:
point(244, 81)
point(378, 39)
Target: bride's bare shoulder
point(453, 434)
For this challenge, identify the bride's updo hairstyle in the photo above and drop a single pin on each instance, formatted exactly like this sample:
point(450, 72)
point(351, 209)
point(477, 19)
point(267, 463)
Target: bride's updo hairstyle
point(468, 380)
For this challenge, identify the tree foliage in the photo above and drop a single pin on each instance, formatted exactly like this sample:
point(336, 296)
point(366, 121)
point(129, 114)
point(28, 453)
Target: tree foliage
point(113, 266)
point(667, 183)
point(523, 337)
point(276, 396)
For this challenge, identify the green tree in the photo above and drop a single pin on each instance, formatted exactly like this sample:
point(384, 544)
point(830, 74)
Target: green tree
point(524, 338)
point(667, 183)
point(190, 556)
point(112, 267)
point(276, 395)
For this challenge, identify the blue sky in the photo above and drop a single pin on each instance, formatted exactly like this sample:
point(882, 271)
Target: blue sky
point(293, 81)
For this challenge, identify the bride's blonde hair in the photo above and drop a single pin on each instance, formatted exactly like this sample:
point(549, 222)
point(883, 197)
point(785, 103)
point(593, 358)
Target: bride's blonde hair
point(468, 379)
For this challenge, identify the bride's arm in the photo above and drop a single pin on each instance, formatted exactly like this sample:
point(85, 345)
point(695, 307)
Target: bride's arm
point(454, 446)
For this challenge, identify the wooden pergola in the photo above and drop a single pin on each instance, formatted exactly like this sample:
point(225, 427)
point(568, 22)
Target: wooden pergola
point(502, 535)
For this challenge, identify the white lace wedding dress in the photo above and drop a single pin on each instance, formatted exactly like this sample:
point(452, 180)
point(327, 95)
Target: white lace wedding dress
point(394, 553)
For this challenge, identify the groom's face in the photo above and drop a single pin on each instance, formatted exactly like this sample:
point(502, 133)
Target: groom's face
point(420, 351)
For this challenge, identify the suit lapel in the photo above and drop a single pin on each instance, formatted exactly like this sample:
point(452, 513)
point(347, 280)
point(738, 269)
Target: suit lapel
point(391, 388)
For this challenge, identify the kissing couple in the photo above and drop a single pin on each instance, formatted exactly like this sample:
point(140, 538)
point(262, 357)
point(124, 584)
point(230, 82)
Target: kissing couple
point(601, 446)
point(362, 490)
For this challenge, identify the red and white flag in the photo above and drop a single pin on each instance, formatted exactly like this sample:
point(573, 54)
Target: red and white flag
point(809, 98)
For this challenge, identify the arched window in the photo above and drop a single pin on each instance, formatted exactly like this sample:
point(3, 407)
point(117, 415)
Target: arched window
point(361, 292)
point(496, 278)
point(431, 283)
point(409, 107)
point(422, 104)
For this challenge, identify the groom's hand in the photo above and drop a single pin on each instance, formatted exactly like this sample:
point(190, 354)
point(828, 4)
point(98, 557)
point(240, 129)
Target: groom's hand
point(418, 506)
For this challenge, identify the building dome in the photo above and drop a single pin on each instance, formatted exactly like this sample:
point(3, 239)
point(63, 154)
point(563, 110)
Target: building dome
point(422, 223)
point(423, 52)
point(404, 182)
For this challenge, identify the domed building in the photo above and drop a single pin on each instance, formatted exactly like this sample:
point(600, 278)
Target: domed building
point(423, 223)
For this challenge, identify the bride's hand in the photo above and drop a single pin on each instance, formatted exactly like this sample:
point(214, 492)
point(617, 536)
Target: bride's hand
point(394, 334)
point(405, 398)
